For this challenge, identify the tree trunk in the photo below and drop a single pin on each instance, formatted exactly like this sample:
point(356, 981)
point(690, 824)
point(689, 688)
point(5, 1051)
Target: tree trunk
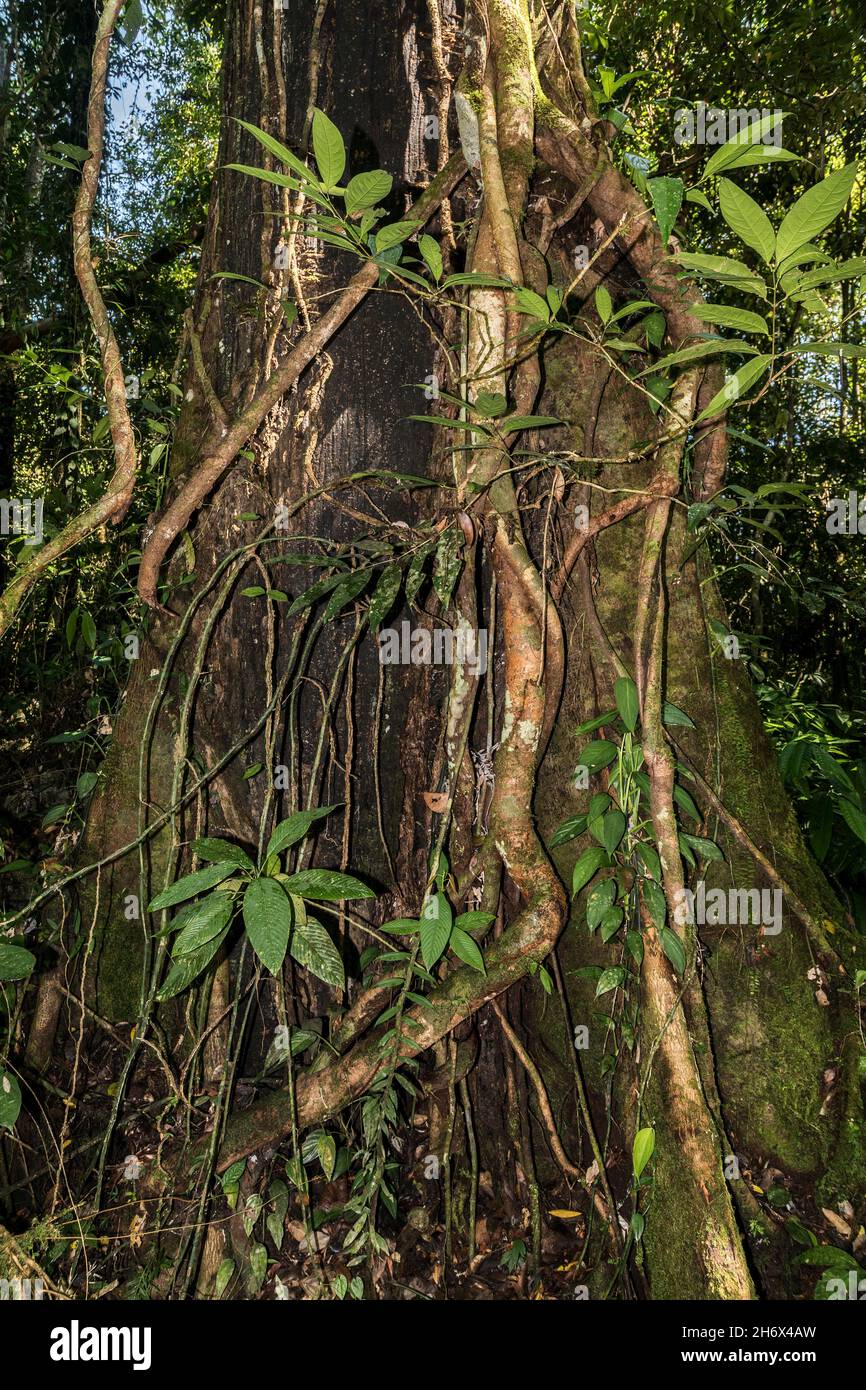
point(729, 1061)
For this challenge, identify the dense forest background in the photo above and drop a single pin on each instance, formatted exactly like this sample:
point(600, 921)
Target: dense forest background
point(507, 1164)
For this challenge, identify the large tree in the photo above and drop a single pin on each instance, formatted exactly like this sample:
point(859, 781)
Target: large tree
point(678, 1062)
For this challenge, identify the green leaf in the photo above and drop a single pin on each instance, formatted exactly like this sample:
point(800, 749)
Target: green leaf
point(601, 899)
point(327, 886)
point(673, 716)
point(655, 901)
point(761, 154)
point(854, 818)
point(16, 962)
point(223, 1275)
point(613, 829)
point(815, 210)
point(696, 195)
point(436, 922)
point(514, 423)
point(734, 149)
point(268, 920)
point(611, 978)
point(735, 385)
point(726, 316)
point(384, 595)
point(528, 302)
point(724, 269)
point(294, 828)
point(709, 347)
point(10, 1099)
point(393, 234)
point(279, 151)
point(831, 274)
point(222, 852)
point(206, 920)
point(328, 148)
point(258, 1264)
point(642, 1150)
point(568, 830)
point(673, 949)
point(587, 865)
point(192, 884)
point(429, 248)
point(598, 754)
point(625, 694)
point(747, 219)
point(462, 945)
point(312, 947)
point(473, 921)
point(185, 969)
point(348, 589)
point(603, 304)
point(326, 1149)
point(365, 190)
point(667, 199)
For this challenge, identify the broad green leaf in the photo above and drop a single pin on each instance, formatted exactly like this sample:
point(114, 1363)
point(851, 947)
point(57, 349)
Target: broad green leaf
point(612, 978)
point(613, 829)
point(735, 385)
point(625, 694)
point(16, 962)
point(815, 210)
point(655, 901)
point(747, 219)
point(223, 1275)
point(328, 149)
point(733, 150)
point(710, 347)
point(393, 234)
point(206, 920)
point(10, 1099)
point(599, 902)
point(268, 920)
point(326, 1150)
point(598, 754)
point(761, 154)
point(436, 922)
point(672, 716)
point(642, 1150)
point(384, 595)
point(473, 921)
point(724, 269)
point(832, 349)
point(462, 945)
point(312, 947)
point(258, 1264)
point(667, 199)
point(603, 304)
point(185, 969)
point(294, 828)
point(696, 195)
point(327, 886)
point(192, 884)
point(274, 147)
point(314, 593)
point(832, 274)
point(568, 830)
point(348, 589)
point(673, 949)
point(429, 248)
point(588, 864)
point(726, 316)
point(222, 852)
point(854, 818)
point(365, 190)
